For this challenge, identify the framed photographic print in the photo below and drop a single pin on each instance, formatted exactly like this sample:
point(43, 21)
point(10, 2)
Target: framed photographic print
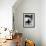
point(28, 20)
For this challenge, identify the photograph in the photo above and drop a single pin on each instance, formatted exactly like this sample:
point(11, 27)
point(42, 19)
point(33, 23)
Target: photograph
point(29, 20)
point(22, 22)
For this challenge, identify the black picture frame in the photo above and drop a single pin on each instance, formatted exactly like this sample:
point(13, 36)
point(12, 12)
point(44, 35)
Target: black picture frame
point(30, 22)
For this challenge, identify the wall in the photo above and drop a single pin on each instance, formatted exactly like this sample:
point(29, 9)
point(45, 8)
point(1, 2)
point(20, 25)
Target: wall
point(6, 13)
point(28, 6)
point(43, 22)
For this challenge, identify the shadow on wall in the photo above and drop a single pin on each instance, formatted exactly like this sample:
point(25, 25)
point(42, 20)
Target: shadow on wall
point(28, 6)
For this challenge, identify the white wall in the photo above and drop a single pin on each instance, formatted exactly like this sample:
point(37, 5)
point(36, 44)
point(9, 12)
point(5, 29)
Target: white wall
point(28, 6)
point(6, 13)
point(43, 22)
